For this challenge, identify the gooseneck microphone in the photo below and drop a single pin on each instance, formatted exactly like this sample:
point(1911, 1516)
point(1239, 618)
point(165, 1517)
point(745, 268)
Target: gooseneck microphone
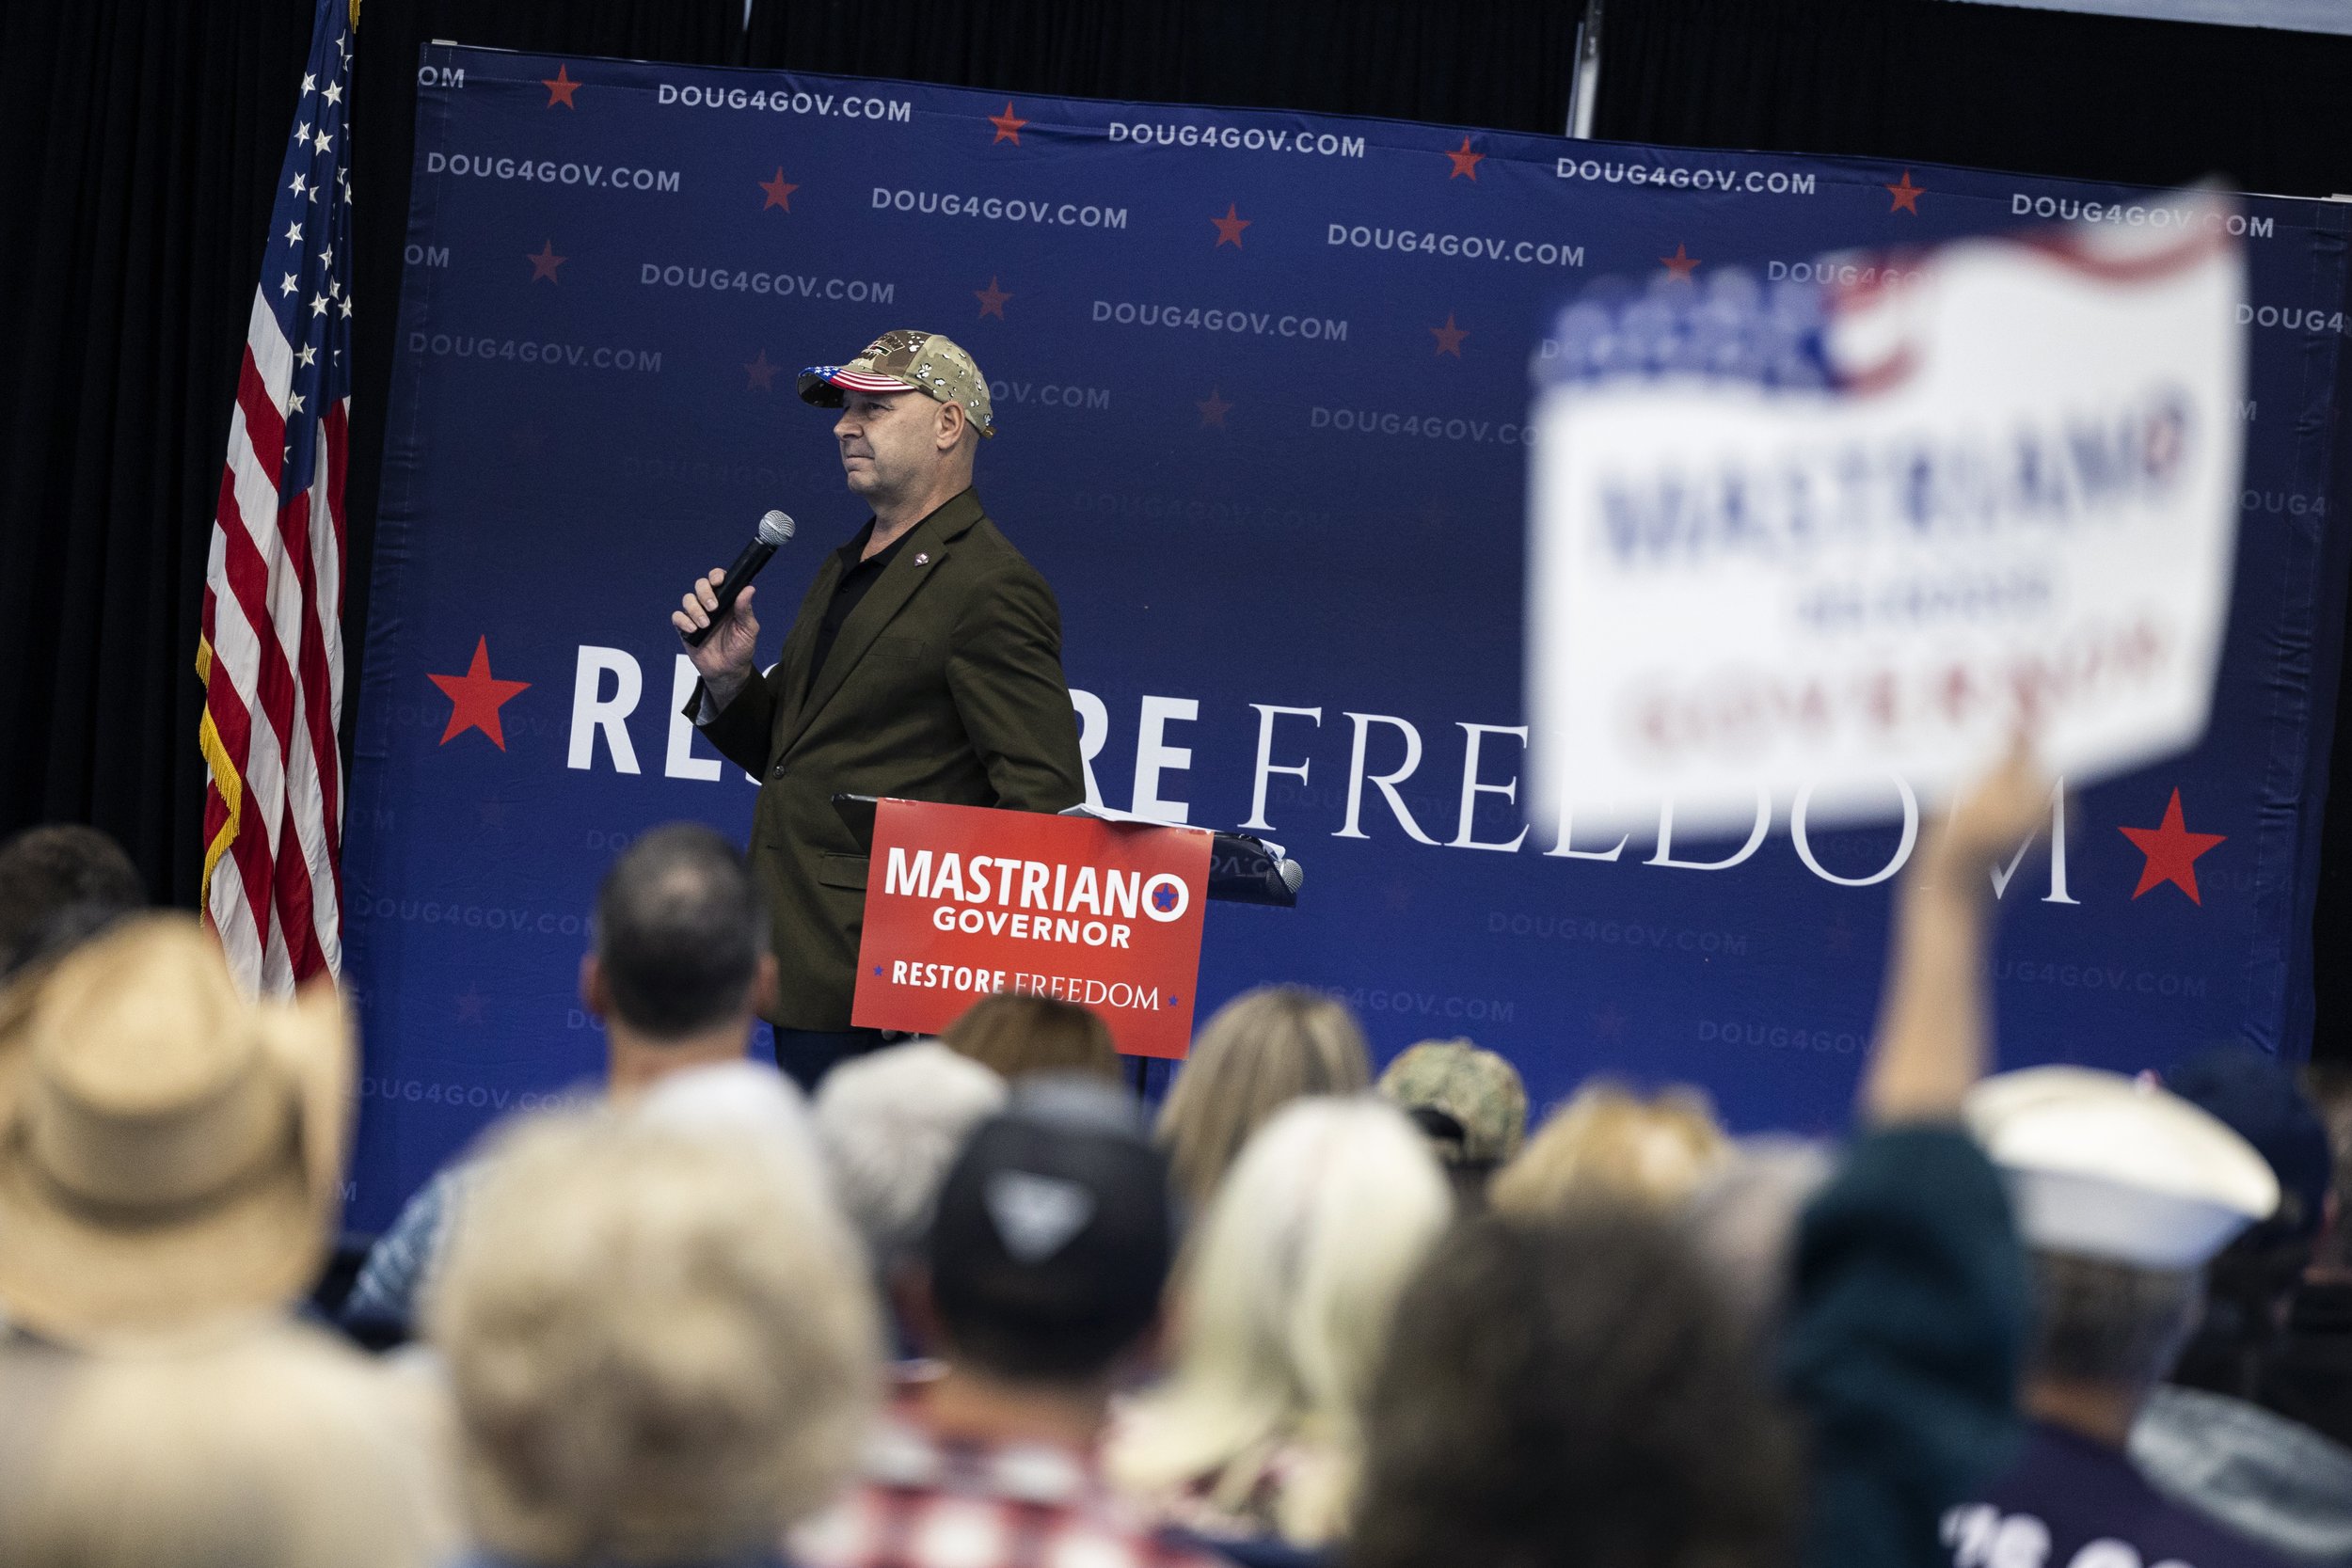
point(774, 529)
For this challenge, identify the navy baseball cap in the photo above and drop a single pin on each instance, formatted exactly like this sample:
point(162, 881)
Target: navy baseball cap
point(2259, 1102)
point(1053, 1235)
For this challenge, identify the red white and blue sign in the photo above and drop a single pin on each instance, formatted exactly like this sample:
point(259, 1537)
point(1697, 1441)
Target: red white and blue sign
point(963, 902)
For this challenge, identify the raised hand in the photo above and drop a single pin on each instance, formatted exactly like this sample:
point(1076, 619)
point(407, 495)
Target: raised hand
point(1997, 814)
point(1935, 1021)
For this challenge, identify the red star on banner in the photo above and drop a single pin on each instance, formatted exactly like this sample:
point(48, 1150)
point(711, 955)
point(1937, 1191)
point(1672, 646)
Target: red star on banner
point(1906, 196)
point(992, 300)
point(759, 374)
point(1450, 337)
point(1213, 410)
point(1465, 161)
point(1681, 264)
point(476, 696)
point(2172, 851)
point(1229, 228)
point(545, 263)
point(1007, 126)
point(778, 192)
point(560, 90)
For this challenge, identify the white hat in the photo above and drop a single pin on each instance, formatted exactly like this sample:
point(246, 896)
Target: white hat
point(2102, 1166)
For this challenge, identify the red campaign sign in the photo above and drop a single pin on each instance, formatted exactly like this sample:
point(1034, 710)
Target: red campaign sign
point(965, 902)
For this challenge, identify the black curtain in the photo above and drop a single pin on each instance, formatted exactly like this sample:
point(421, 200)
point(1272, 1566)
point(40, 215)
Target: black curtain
point(142, 151)
point(1502, 63)
point(142, 139)
point(2040, 92)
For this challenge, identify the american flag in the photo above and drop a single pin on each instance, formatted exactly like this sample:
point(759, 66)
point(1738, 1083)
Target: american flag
point(271, 657)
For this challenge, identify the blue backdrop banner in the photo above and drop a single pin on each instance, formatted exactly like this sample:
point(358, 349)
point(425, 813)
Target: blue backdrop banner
point(1262, 381)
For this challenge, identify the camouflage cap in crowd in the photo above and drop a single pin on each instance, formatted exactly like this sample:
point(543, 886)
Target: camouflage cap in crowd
point(1469, 1101)
point(903, 361)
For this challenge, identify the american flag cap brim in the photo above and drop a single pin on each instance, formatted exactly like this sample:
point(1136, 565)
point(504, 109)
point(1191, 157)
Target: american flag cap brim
point(905, 360)
point(822, 385)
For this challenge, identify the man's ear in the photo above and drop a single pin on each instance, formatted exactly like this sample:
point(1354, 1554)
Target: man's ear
point(948, 432)
point(911, 1298)
point(596, 993)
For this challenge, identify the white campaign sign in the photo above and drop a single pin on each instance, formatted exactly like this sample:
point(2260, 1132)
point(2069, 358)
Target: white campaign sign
point(2023, 496)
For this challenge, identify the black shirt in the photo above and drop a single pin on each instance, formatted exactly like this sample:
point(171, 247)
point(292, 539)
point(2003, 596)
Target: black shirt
point(850, 591)
point(2070, 1501)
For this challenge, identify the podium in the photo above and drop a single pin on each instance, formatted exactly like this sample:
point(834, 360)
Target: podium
point(965, 902)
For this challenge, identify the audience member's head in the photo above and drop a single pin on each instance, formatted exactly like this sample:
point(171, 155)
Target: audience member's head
point(1283, 1317)
point(1014, 1035)
point(1051, 1240)
point(1258, 1053)
point(170, 1153)
point(1744, 1216)
point(681, 961)
point(1569, 1391)
point(60, 885)
point(1609, 1143)
point(890, 1122)
point(2248, 1092)
point(2123, 1191)
point(2104, 1324)
point(662, 1344)
point(1469, 1103)
point(273, 1450)
point(2248, 1283)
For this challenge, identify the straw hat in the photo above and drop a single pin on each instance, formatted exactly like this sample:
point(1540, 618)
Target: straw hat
point(169, 1152)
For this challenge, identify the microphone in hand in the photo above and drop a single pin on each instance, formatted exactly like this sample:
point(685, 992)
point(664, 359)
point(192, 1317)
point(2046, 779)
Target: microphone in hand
point(774, 529)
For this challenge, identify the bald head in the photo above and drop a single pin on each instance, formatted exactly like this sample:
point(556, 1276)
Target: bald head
point(680, 932)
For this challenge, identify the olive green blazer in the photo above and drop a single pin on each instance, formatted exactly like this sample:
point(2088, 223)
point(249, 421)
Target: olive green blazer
point(944, 684)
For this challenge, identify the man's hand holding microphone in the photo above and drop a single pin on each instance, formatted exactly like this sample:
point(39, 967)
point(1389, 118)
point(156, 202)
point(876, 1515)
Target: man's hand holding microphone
point(715, 618)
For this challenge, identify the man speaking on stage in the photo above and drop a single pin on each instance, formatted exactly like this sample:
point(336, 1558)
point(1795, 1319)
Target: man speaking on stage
point(925, 663)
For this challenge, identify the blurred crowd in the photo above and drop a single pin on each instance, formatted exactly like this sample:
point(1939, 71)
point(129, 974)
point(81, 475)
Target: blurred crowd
point(970, 1305)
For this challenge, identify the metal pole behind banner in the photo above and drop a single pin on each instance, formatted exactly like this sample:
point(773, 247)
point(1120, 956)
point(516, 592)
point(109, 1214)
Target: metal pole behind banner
point(1585, 80)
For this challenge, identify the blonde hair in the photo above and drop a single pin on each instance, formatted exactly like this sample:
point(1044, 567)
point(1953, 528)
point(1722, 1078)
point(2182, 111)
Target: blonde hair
point(1260, 1051)
point(1609, 1143)
point(1284, 1314)
point(1015, 1035)
point(275, 1448)
point(662, 1345)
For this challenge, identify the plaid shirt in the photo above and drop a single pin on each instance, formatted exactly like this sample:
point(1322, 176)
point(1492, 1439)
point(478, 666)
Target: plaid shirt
point(405, 1258)
point(928, 1502)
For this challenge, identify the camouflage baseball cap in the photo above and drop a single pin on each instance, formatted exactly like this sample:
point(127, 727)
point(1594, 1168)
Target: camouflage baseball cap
point(1469, 1101)
point(906, 361)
